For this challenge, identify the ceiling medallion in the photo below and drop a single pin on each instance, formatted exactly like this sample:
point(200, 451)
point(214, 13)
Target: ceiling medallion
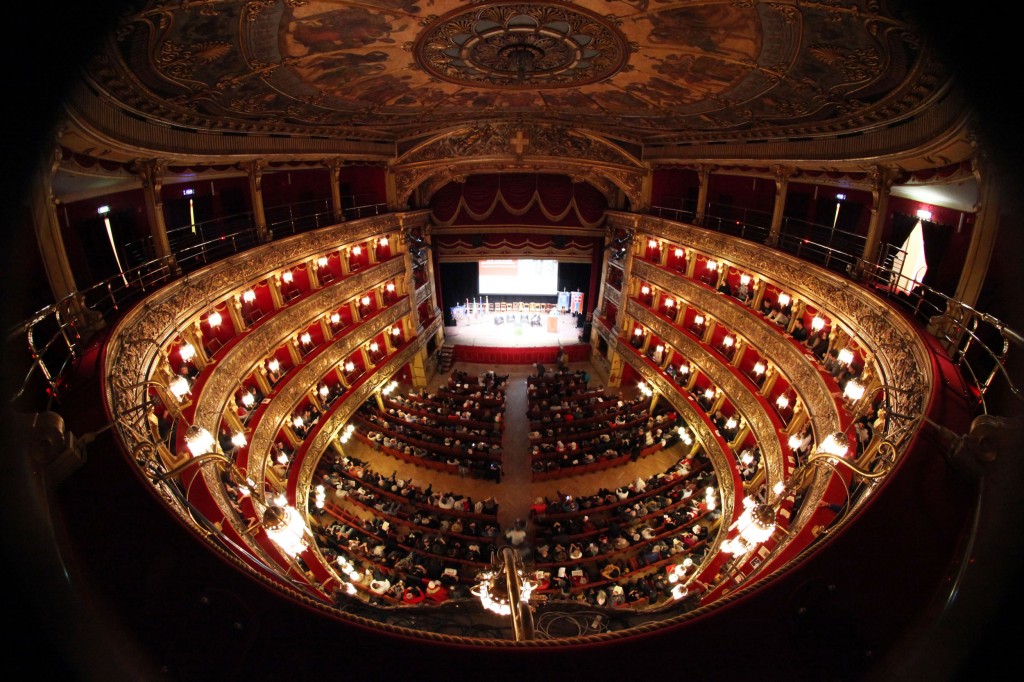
point(521, 45)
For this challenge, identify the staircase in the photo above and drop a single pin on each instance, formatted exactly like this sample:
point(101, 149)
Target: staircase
point(445, 358)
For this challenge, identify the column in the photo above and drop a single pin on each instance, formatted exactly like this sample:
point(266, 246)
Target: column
point(983, 239)
point(334, 166)
point(151, 171)
point(781, 174)
point(881, 184)
point(704, 173)
point(259, 216)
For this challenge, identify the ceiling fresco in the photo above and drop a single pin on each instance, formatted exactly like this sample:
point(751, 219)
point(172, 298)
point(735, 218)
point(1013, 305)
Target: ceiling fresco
point(645, 70)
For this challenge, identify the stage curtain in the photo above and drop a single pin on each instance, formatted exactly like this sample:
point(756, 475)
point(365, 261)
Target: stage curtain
point(556, 197)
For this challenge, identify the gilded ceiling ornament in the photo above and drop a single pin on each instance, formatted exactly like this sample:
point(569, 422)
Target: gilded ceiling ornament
point(522, 45)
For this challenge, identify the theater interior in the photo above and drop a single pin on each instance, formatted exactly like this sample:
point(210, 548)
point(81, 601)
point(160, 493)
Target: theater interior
point(414, 339)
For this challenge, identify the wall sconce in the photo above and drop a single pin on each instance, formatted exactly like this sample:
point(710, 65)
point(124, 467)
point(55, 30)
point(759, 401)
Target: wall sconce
point(350, 366)
point(684, 368)
point(728, 341)
point(669, 303)
point(924, 214)
point(199, 441)
point(297, 422)
point(645, 290)
point(709, 393)
point(249, 296)
point(335, 318)
point(712, 265)
point(274, 364)
point(248, 399)
point(390, 287)
point(238, 439)
point(214, 319)
point(853, 391)
point(305, 338)
point(731, 423)
point(845, 356)
point(187, 352)
point(356, 250)
point(645, 389)
point(396, 332)
point(684, 435)
point(179, 388)
point(759, 368)
point(323, 390)
point(321, 262)
point(746, 457)
point(782, 401)
point(364, 301)
point(817, 323)
point(287, 277)
point(744, 279)
point(383, 241)
point(638, 332)
point(652, 243)
point(374, 347)
point(698, 319)
point(679, 253)
point(347, 433)
point(784, 299)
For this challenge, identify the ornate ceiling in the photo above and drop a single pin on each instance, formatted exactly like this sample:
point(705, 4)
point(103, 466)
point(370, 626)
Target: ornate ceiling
point(641, 70)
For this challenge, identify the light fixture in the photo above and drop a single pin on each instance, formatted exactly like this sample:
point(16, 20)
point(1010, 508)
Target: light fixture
point(638, 331)
point(335, 318)
point(817, 323)
point(214, 319)
point(645, 290)
point(645, 389)
point(684, 435)
point(365, 300)
point(652, 243)
point(389, 389)
point(744, 279)
point(759, 368)
point(784, 299)
point(853, 391)
point(105, 212)
point(238, 439)
point(669, 303)
point(347, 433)
point(374, 347)
point(199, 441)
point(709, 392)
point(731, 423)
point(684, 368)
point(248, 399)
point(728, 341)
point(754, 526)
point(840, 197)
point(350, 366)
point(282, 457)
point(249, 296)
point(924, 214)
point(505, 589)
point(285, 527)
point(834, 445)
point(297, 422)
point(273, 364)
point(390, 287)
point(794, 441)
point(383, 241)
point(782, 401)
point(287, 277)
point(320, 496)
point(323, 390)
point(179, 387)
point(679, 253)
point(698, 319)
point(187, 352)
point(396, 332)
point(845, 356)
point(321, 262)
point(746, 457)
point(712, 265)
point(305, 338)
point(356, 250)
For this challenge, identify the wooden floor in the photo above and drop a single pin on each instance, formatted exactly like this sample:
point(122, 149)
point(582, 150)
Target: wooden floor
point(517, 490)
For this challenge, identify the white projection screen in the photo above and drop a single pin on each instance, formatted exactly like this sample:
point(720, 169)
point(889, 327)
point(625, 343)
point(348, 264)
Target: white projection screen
point(527, 277)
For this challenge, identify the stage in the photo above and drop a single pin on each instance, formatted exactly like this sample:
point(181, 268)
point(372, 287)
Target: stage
point(515, 331)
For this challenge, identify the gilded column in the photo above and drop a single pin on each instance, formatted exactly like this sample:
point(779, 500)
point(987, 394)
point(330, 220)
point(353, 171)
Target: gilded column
point(881, 184)
point(334, 166)
point(781, 174)
point(702, 193)
point(151, 172)
point(255, 170)
point(46, 225)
